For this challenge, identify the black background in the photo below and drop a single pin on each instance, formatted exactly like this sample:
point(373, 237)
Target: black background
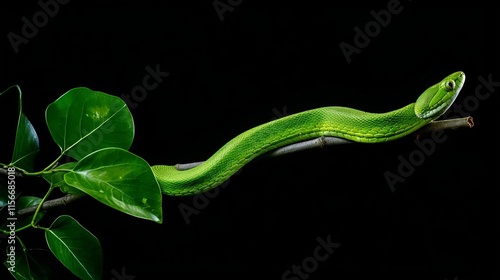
point(259, 62)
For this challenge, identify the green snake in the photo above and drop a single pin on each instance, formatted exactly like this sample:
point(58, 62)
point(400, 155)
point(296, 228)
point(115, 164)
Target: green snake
point(341, 122)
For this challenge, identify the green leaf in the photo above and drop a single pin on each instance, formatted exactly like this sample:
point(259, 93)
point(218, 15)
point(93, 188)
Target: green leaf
point(76, 248)
point(121, 180)
point(26, 145)
point(82, 121)
point(35, 264)
point(29, 264)
point(26, 202)
point(56, 178)
point(17, 261)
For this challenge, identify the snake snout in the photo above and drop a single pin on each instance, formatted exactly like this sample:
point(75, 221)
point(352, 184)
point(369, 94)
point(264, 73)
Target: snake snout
point(438, 98)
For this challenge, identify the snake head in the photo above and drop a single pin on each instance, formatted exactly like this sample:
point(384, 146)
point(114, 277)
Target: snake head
point(439, 97)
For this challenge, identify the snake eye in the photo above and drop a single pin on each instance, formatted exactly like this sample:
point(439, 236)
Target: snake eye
point(450, 85)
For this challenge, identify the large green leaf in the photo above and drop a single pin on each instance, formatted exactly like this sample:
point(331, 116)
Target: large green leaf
point(77, 248)
point(26, 145)
point(121, 180)
point(82, 121)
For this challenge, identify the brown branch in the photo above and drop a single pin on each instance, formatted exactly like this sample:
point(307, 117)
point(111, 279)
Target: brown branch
point(51, 204)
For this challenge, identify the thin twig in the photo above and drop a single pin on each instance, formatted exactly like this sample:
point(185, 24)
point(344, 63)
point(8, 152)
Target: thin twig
point(467, 122)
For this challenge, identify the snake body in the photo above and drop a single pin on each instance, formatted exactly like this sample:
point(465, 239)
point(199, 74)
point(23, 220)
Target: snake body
point(342, 122)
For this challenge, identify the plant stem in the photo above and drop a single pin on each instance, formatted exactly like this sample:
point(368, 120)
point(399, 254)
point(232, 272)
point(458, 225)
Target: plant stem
point(40, 206)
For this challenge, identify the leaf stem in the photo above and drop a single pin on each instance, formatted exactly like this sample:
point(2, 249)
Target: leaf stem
point(39, 206)
point(53, 164)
